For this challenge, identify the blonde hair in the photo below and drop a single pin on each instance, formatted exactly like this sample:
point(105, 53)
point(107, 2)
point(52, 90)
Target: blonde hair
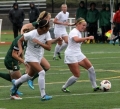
point(42, 15)
point(63, 5)
point(80, 20)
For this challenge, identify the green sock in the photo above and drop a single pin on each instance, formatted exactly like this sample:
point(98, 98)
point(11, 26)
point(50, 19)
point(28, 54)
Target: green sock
point(5, 76)
point(35, 76)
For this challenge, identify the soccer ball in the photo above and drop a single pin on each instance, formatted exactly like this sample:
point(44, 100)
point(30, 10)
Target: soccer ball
point(105, 85)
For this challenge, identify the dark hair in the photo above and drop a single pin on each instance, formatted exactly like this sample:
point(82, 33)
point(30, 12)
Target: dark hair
point(92, 4)
point(15, 4)
point(82, 2)
point(43, 23)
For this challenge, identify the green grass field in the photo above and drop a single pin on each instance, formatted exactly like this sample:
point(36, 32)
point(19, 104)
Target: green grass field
point(104, 57)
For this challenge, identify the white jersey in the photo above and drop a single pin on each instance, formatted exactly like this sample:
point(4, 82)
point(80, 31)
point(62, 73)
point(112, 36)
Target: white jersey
point(33, 49)
point(62, 17)
point(73, 48)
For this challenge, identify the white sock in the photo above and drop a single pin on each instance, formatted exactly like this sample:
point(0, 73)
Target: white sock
point(70, 81)
point(57, 47)
point(23, 79)
point(92, 76)
point(41, 82)
point(64, 45)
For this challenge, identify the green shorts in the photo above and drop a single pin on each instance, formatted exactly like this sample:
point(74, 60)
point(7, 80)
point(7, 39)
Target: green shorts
point(11, 65)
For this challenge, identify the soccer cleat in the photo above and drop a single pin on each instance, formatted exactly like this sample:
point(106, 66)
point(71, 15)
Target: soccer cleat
point(96, 89)
point(14, 88)
point(15, 97)
point(113, 42)
point(54, 58)
point(59, 55)
point(66, 90)
point(30, 84)
point(46, 97)
point(19, 93)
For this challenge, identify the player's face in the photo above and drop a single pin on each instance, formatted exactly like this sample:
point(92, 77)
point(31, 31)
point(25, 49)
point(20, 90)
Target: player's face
point(82, 26)
point(64, 8)
point(44, 30)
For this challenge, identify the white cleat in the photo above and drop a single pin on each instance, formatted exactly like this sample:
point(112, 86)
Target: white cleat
point(15, 97)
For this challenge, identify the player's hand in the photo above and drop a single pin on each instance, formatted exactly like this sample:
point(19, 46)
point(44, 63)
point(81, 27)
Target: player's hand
point(91, 37)
point(65, 23)
point(59, 39)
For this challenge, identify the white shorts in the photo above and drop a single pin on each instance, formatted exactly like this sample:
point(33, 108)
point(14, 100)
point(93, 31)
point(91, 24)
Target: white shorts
point(61, 35)
point(32, 59)
point(74, 59)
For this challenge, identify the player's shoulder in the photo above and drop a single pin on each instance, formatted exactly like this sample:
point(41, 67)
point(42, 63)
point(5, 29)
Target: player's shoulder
point(74, 30)
point(67, 12)
point(60, 13)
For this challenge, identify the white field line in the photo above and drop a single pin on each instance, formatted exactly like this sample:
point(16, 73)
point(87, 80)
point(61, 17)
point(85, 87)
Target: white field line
point(83, 94)
point(62, 82)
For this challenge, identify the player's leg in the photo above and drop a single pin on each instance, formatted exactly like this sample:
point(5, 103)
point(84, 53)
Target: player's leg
point(64, 44)
point(41, 80)
point(15, 75)
point(18, 82)
point(91, 72)
point(74, 68)
point(14, 72)
point(45, 65)
point(5, 76)
point(57, 47)
point(72, 63)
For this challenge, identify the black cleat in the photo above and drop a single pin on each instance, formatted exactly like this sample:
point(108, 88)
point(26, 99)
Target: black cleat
point(59, 55)
point(96, 89)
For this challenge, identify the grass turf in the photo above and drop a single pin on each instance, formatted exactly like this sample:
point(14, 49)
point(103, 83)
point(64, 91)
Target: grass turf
point(104, 57)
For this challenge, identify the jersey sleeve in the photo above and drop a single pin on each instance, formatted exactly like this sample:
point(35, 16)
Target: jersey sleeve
point(48, 36)
point(73, 34)
point(28, 36)
point(58, 16)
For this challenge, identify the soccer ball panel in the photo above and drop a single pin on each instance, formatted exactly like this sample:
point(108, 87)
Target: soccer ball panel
point(105, 85)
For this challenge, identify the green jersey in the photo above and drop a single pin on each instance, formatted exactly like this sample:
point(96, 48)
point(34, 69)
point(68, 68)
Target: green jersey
point(10, 62)
point(35, 24)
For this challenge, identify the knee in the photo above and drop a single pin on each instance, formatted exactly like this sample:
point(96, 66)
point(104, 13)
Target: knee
point(59, 42)
point(47, 67)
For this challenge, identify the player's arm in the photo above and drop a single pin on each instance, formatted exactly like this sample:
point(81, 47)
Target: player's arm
point(15, 55)
point(20, 42)
point(56, 21)
point(77, 39)
point(55, 40)
point(28, 26)
point(46, 46)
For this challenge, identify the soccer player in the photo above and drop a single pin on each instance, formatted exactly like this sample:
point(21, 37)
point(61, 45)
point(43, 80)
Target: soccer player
point(12, 61)
point(61, 21)
point(44, 63)
point(75, 58)
point(37, 40)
